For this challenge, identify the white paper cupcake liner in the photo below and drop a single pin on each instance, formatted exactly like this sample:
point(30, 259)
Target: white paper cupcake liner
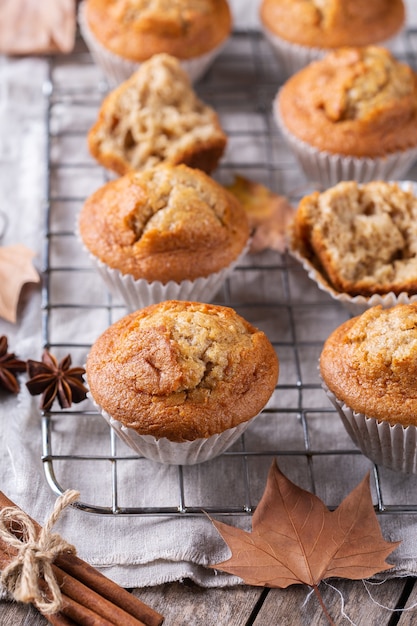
point(140, 293)
point(354, 304)
point(294, 57)
point(326, 169)
point(394, 447)
point(117, 69)
point(177, 453)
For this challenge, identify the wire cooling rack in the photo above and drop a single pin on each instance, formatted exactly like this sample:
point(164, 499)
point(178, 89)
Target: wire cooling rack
point(299, 427)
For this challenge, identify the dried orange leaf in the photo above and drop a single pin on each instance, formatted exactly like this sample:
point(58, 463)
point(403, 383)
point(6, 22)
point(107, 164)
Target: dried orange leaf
point(295, 538)
point(37, 26)
point(269, 214)
point(16, 269)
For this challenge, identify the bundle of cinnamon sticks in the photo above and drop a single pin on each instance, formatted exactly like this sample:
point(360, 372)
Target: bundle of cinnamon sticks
point(89, 598)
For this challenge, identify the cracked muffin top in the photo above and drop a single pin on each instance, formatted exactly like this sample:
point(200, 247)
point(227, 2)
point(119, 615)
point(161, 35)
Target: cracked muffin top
point(361, 238)
point(182, 370)
point(156, 117)
point(354, 101)
point(333, 23)
point(167, 223)
point(138, 29)
point(370, 363)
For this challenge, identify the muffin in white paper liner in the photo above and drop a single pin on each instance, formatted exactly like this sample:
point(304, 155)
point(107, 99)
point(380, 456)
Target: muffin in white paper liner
point(139, 293)
point(326, 169)
point(117, 69)
point(177, 453)
point(357, 304)
point(393, 446)
point(294, 57)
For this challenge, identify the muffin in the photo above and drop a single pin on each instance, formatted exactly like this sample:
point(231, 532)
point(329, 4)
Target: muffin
point(359, 241)
point(168, 232)
point(351, 116)
point(180, 381)
point(369, 366)
point(302, 31)
point(122, 34)
point(156, 117)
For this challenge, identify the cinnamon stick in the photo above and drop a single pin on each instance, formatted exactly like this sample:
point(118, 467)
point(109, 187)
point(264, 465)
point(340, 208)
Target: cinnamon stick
point(59, 620)
point(98, 598)
point(108, 589)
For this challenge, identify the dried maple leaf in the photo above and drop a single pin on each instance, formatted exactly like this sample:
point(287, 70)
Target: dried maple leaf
point(295, 538)
point(56, 380)
point(16, 269)
point(37, 26)
point(269, 214)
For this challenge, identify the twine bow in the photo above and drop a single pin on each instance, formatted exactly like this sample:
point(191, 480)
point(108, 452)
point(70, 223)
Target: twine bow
point(35, 555)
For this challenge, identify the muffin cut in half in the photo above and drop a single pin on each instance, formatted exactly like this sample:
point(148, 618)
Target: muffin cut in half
point(361, 238)
point(156, 117)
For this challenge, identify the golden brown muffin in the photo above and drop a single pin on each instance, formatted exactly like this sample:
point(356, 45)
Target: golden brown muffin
point(139, 29)
point(370, 363)
point(154, 117)
point(168, 223)
point(360, 102)
point(362, 238)
point(333, 23)
point(182, 370)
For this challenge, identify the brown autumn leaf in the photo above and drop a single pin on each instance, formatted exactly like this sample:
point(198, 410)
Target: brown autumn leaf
point(269, 214)
point(296, 539)
point(37, 26)
point(16, 269)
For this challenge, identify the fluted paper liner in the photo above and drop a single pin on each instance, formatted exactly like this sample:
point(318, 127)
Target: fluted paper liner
point(293, 57)
point(177, 453)
point(394, 447)
point(139, 293)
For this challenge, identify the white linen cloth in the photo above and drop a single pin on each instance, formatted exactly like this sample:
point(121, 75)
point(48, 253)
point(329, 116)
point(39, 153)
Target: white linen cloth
point(138, 551)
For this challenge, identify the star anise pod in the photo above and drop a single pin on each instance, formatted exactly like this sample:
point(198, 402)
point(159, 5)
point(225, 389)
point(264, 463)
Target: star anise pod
point(56, 380)
point(9, 367)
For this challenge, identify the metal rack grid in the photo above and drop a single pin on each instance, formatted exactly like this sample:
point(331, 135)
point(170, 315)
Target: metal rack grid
point(299, 426)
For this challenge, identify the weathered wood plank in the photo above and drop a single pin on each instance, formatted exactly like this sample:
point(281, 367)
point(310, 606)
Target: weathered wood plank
point(408, 617)
point(13, 614)
point(190, 605)
point(181, 605)
point(287, 607)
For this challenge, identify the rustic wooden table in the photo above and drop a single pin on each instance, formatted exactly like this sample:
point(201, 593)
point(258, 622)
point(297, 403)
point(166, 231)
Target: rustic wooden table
point(185, 604)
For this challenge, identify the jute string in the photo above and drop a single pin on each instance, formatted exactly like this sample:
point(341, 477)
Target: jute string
point(35, 555)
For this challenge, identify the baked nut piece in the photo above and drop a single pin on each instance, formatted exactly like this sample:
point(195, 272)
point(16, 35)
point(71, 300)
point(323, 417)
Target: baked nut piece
point(138, 29)
point(170, 223)
point(359, 102)
point(370, 363)
point(333, 23)
point(182, 370)
point(362, 238)
point(154, 117)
